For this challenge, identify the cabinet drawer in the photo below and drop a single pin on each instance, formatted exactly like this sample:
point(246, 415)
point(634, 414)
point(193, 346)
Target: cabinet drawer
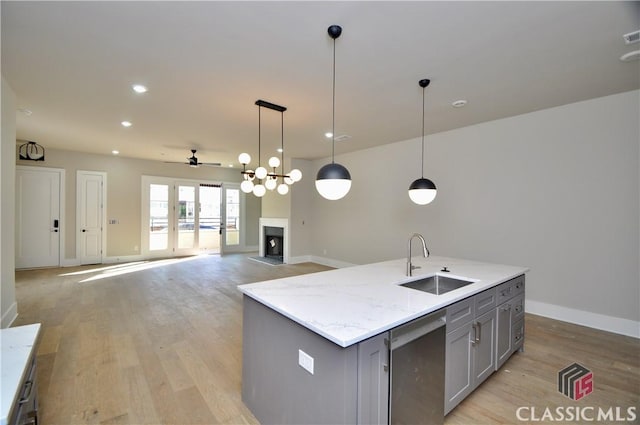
point(518, 285)
point(459, 313)
point(518, 334)
point(504, 292)
point(518, 307)
point(509, 289)
point(485, 301)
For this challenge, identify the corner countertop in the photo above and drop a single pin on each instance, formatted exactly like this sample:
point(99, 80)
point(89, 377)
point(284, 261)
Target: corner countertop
point(351, 304)
point(16, 346)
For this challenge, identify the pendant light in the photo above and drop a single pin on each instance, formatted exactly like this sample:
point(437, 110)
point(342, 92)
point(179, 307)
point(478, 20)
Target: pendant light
point(271, 178)
point(422, 191)
point(333, 180)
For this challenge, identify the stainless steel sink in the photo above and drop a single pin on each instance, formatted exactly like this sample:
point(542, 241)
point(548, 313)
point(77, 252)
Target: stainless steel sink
point(437, 284)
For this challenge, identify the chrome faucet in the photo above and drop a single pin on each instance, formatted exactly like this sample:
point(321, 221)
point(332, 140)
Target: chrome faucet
point(425, 253)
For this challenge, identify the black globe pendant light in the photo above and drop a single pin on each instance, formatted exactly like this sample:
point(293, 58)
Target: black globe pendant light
point(333, 180)
point(422, 191)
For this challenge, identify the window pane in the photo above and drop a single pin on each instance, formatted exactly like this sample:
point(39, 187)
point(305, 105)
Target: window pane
point(186, 216)
point(209, 238)
point(158, 217)
point(232, 227)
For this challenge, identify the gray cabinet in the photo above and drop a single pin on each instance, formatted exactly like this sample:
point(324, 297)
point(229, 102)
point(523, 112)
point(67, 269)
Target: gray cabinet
point(509, 319)
point(484, 347)
point(25, 411)
point(470, 346)
point(373, 380)
point(458, 366)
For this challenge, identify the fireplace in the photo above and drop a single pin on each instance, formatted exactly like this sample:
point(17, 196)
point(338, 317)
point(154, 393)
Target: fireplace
point(273, 241)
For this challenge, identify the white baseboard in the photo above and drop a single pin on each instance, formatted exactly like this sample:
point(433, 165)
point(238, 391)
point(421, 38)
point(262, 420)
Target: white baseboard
point(9, 316)
point(124, 259)
point(329, 262)
point(584, 318)
point(69, 262)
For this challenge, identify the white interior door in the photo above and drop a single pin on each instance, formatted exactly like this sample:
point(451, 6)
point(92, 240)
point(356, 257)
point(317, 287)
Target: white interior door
point(90, 216)
point(38, 218)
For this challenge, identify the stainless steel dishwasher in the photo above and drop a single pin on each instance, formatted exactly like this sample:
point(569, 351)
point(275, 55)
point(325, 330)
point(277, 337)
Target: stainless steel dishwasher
point(417, 371)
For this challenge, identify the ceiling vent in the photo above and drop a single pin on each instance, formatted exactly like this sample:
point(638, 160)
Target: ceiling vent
point(632, 37)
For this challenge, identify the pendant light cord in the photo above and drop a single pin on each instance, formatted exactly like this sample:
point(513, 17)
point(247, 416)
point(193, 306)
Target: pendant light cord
point(333, 123)
point(423, 89)
point(259, 142)
point(282, 141)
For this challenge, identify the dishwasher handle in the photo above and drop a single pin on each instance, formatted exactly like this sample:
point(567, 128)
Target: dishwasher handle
point(413, 330)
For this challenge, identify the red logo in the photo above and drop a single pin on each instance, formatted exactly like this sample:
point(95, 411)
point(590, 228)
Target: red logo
point(575, 381)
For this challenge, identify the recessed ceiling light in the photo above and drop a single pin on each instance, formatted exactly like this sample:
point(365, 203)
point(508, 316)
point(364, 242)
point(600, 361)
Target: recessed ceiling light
point(230, 165)
point(279, 150)
point(631, 56)
point(342, 138)
point(25, 111)
point(126, 123)
point(328, 134)
point(139, 88)
point(115, 152)
point(459, 103)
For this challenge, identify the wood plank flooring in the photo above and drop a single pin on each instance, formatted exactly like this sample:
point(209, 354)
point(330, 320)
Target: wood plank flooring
point(160, 342)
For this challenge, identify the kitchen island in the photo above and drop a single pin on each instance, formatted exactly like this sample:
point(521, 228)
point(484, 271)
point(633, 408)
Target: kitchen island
point(314, 345)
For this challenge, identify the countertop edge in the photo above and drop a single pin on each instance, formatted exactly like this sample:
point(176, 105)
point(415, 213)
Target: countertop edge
point(4, 418)
point(259, 291)
point(348, 342)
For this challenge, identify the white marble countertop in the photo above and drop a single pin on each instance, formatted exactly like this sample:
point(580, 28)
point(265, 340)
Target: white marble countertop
point(16, 347)
point(351, 304)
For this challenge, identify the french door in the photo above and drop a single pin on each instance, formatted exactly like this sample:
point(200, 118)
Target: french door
point(183, 217)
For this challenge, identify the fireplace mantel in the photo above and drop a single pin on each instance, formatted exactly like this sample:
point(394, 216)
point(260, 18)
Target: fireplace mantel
point(274, 222)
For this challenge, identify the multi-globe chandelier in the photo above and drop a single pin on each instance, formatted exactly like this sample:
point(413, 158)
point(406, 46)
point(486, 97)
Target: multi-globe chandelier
point(267, 180)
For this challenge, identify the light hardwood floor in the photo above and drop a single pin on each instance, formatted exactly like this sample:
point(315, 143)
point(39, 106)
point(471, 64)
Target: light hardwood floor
point(160, 343)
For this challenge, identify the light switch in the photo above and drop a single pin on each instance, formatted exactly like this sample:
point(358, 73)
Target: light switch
point(306, 361)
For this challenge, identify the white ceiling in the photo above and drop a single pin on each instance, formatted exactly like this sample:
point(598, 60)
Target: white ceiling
point(73, 63)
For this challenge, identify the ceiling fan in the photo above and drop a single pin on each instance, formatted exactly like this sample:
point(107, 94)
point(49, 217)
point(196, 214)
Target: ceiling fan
point(193, 161)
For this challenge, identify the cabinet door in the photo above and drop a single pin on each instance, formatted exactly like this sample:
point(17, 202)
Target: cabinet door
point(503, 334)
point(373, 380)
point(484, 350)
point(458, 366)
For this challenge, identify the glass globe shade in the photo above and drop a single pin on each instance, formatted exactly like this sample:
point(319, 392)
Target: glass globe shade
point(422, 196)
point(271, 183)
point(288, 180)
point(333, 181)
point(261, 172)
point(259, 190)
point(246, 186)
point(296, 175)
point(422, 191)
point(283, 189)
point(244, 158)
point(250, 175)
point(274, 162)
point(333, 189)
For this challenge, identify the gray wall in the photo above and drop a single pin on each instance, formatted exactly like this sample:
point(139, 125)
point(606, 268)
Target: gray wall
point(8, 307)
point(556, 190)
